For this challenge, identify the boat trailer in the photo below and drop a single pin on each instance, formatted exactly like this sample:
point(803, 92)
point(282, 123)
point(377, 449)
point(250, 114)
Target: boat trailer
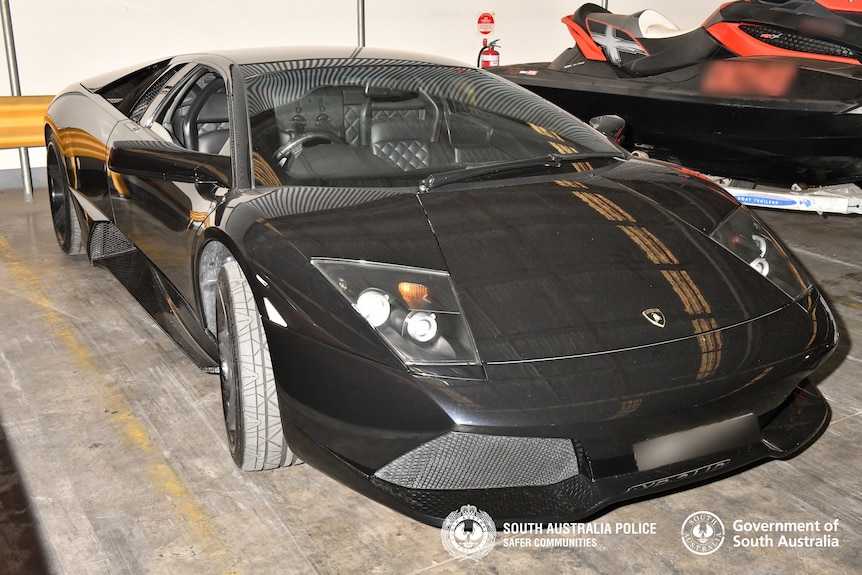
point(835, 199)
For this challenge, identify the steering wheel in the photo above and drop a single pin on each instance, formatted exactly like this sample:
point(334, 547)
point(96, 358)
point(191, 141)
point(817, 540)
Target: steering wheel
point(298, 143)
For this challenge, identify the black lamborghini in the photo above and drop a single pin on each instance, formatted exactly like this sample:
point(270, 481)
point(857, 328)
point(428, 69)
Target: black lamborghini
point(435, 286)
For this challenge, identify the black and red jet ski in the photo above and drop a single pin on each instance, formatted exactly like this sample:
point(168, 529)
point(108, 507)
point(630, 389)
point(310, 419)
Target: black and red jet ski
point(764, 91)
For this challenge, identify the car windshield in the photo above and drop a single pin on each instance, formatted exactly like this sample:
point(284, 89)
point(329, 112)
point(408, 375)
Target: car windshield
point(397, 123)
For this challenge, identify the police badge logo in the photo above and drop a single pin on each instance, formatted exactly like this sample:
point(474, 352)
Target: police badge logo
point(702, 533)
point(468, 533)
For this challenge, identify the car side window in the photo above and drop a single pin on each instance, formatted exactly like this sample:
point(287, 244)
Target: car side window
point(196, 115)
point(150, 94)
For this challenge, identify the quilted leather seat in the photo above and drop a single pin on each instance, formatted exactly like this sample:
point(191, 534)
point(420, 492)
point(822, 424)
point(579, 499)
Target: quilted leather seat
point(407, 133)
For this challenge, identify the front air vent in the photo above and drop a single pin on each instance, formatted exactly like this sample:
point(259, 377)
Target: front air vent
point(458, 461)
point(787, 40)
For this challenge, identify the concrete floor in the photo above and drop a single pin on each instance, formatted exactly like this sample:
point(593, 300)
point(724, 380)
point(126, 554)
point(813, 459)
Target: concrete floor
point(118, 442)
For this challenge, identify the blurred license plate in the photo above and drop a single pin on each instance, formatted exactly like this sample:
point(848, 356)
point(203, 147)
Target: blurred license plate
point(692, 443)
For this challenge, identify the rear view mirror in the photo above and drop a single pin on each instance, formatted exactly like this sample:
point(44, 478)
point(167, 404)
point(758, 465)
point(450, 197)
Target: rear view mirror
point(167, 161)
point(610, 126)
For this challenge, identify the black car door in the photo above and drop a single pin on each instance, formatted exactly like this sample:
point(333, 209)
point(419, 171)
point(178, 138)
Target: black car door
point(158, 200)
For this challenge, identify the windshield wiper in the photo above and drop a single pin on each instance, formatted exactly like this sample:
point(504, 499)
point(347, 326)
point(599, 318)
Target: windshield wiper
point(474, 171)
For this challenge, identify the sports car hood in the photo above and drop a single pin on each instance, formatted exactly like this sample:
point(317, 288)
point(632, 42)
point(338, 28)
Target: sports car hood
point(561, 269)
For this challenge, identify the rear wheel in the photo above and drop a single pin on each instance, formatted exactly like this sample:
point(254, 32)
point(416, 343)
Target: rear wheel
point(65, 219)
point(251, 412)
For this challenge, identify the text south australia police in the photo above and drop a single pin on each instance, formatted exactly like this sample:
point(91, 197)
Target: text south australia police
point(584, 533)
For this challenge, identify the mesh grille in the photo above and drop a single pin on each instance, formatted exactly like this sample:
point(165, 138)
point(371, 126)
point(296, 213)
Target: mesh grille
point(571, 498)
point(471, 461)
point(147, 98)
point(107, 240)
point(796, 42)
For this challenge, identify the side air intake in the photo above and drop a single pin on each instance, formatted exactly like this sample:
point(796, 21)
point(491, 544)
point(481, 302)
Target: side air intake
point(106, 240)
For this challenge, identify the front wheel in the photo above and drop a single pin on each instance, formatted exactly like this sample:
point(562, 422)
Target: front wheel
point(251, 412)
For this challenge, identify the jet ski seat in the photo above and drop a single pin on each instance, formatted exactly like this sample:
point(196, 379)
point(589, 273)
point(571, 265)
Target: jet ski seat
point(644, 24)
point(641, 44)
point(654, 24)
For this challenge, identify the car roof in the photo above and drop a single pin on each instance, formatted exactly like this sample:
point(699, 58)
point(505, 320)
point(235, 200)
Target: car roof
point(317, 55)
point(287, 53)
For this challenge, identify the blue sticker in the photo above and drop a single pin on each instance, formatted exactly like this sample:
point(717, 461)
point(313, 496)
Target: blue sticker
point(769, 202)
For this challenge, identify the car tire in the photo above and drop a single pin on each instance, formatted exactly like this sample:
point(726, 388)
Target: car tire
point(67, 229)
point(249, 400)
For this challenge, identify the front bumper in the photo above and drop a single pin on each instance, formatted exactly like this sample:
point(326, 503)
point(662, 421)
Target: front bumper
point(783, 432)
point(529, 445)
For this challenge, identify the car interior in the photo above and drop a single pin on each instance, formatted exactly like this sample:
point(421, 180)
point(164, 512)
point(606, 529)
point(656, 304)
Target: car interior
point(342, 133)
point(336, 132)
point(198, 118)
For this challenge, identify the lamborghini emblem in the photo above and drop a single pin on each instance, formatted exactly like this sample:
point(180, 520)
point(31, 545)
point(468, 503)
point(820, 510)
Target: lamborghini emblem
point(655, 316)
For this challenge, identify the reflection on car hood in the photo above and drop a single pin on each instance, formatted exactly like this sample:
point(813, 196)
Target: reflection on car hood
point(566, 269)
point(543, 269)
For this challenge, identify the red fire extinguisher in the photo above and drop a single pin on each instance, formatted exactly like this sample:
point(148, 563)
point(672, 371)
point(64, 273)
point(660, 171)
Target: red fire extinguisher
point(488, 55)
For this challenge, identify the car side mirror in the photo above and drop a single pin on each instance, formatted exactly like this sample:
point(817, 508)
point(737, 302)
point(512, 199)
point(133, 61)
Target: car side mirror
point(610, 126)
point(167, 161)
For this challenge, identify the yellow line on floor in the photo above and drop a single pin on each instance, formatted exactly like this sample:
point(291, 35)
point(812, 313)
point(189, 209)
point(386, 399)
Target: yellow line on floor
point(131, 429)
point(848, 302)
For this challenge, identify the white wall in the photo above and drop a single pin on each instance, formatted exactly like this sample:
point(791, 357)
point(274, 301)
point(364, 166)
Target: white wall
point(62, 41)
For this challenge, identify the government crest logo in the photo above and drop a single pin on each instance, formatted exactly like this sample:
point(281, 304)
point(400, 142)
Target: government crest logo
point(468, 533)
point(702, 533)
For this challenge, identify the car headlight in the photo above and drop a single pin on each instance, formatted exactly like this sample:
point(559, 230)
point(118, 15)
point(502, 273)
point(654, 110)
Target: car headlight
point(414, 310)
point(748, 239)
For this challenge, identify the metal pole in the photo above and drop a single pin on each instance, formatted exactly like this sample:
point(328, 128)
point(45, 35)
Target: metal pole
point(14, 83)
point(605, 4)
point(360, 17)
